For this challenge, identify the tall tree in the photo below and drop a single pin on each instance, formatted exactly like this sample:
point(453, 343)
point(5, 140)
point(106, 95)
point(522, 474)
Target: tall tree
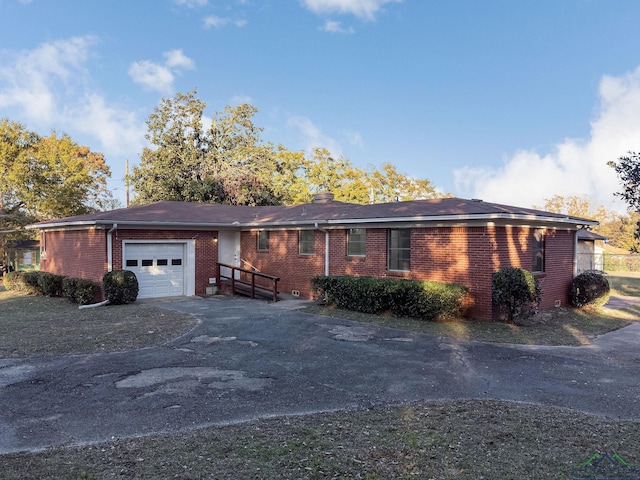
point(619, 229)
point(628, 169)
point(229, 163)
point(42, 178)
point(226, 163)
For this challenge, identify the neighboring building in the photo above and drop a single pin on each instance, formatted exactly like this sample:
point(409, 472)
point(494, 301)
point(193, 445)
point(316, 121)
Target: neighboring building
point(174, 247)
point(590, 251)
point(24, 255)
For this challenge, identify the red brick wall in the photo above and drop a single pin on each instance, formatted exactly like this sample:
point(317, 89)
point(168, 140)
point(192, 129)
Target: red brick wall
point(463, 255)
point(75, 253)
point(206, 250)
point(556, 281)
point(283, 259)
point(83, 253)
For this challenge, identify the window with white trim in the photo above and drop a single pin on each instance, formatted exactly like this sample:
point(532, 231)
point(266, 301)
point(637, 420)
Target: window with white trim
point(399, 249)
point(306, 241)
point(356, 242)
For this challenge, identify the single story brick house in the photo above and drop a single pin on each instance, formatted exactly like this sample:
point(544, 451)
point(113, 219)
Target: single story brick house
point(174, 247)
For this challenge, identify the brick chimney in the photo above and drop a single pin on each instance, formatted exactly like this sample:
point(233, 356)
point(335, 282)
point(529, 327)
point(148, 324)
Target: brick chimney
point(323, 197)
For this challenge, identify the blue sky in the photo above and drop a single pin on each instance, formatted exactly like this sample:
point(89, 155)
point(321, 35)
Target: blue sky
point(504, 100)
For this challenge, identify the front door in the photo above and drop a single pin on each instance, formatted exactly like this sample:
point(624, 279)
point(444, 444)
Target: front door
point(229, 251)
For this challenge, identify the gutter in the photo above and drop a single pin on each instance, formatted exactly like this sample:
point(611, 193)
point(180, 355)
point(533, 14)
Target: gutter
point(326, 249)
point(335, 222)
point(110, 247)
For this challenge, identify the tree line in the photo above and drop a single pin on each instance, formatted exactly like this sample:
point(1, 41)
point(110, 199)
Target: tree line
point(228, 162)
point(223, 159)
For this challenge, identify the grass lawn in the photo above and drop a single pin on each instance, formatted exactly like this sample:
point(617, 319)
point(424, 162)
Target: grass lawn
point(561, 326)
point(461, 439)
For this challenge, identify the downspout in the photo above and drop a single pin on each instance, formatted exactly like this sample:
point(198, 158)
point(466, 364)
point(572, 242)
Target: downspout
point(575, 253)
point(110, 247)
point(326, 249)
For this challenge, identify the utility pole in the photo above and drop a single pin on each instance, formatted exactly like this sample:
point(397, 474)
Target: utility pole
point(126, 179)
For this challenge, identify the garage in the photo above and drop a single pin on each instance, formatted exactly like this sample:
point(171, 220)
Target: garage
point(159, 267)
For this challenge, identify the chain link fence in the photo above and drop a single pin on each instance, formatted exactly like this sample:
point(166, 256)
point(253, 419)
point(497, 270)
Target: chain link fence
point(609, 262)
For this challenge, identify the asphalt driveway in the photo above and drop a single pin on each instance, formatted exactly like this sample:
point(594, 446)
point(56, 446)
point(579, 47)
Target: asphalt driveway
point(248, 359)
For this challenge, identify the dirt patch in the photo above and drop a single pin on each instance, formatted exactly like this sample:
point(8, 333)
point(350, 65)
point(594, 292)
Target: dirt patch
point(467, 439)
point(41, 326)
point(440, 440)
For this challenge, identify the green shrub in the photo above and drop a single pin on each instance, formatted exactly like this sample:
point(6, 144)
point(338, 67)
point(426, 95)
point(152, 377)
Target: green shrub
point(590, 288)
point(14, 281)
point(49, 284)
point(26, 282)
point(79, 290)
point(120, 286)
point(515, 292)
point(31, 281)
point(403, 298)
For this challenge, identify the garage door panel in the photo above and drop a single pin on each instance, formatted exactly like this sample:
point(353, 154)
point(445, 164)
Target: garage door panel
point(158, 267)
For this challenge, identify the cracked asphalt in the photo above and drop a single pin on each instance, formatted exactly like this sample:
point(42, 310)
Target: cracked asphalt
point(248, 359)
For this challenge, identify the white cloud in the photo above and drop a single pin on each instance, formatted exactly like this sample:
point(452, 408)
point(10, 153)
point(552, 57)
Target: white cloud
point(29, 79)
point(364, 9)
point(192, 3)
point(312, 135)
point(50, 87)
point(176, 59)
point(240, 99)
point(354, 138)
point(575, 167)
point(215, 21)
point(152, 76)
point(117, 129)
point(332, 26)
point(160, 77)
point(219, 22)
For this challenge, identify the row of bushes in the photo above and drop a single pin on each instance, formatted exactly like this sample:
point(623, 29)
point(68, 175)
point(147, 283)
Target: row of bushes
point(515, 293)
point(404, 298)
point(118, 286)
point(77, 290)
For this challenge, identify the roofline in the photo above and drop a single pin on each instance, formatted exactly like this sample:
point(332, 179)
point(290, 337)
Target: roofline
point(343, 221)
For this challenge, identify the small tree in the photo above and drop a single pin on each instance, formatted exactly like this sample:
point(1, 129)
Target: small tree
point(590, 288)
point(120, 286)
point(516, 292)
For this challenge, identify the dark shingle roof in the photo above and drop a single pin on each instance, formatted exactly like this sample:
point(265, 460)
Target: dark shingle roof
point(214, 215)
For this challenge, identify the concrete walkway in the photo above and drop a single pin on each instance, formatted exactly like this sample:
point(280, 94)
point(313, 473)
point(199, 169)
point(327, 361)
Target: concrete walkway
point(248, 359)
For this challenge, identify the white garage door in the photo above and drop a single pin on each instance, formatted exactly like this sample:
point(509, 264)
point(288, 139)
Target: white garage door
point(159, 267)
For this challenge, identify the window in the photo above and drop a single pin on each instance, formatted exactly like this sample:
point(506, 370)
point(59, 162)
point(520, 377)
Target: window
point(356, 241)
point(132, 263)
point(162, 262)
point(176, 261)
point(399, 250)
point(147, 263)
point(306, 242)
point(262, 240)
point(538, 250)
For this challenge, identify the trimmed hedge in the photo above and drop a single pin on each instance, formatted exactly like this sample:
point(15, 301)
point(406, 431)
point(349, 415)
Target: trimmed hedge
point(404, 298)
point(26, 282)
point(49, 284)
point(590, 288)
point(516, 292)
point(120, 286)
point(77, 290)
